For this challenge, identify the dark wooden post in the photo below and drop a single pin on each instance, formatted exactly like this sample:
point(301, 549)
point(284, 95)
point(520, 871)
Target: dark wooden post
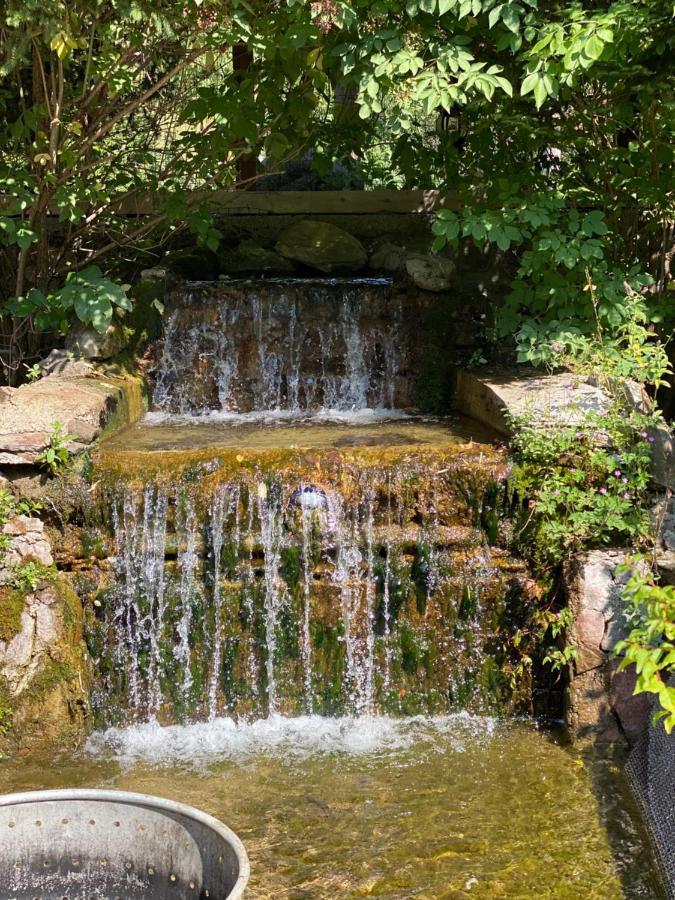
point(242, 57)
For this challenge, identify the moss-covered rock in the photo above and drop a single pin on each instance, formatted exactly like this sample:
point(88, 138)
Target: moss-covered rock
point(45, 674)
point(250, 258)
point(322, 246)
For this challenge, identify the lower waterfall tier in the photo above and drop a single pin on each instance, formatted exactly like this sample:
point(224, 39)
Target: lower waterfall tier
point(340, 579)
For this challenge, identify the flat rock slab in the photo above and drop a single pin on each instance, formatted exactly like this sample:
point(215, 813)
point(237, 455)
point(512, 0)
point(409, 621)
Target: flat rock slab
point(563, 399)
point(495, 399)
point(83, 406)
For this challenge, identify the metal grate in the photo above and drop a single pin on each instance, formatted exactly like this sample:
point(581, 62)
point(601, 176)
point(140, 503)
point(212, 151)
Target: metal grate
point(651, 774)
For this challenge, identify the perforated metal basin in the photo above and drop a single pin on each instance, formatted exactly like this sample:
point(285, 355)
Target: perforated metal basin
point(113, 845)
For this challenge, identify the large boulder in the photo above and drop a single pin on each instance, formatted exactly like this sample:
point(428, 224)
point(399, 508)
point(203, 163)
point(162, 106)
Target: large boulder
point(250, 258)
point(430, 273)
point(83, 406)
point(322, 246)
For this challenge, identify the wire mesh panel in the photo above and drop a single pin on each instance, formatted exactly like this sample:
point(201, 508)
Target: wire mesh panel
point(651, 774)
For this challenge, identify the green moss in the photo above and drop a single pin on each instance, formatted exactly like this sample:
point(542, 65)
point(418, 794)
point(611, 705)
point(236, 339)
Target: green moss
point(53, 674)
point(410, 653)
point(12, 605)
point(291, 565)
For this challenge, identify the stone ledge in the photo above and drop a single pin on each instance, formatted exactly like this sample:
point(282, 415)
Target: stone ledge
point(495, 398)
point(86, 406)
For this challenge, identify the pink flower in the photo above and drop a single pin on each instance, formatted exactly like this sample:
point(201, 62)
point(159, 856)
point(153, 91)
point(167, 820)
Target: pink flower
point(617, 472)
point(626, 496)
point(603, 490)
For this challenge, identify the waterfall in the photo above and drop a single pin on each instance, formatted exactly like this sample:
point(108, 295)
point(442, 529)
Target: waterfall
point(353, 579)
point(255, 595)
point(288, 347)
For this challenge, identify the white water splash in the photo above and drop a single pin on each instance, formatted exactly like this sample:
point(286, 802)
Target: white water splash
point(291, 739)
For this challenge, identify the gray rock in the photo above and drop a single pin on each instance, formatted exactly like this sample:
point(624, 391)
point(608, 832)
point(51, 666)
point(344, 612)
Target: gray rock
point(322, 246)
point(600, 704)
point(546, 399)
point(388, 258)
point(251, 258)
point(430, 273)
point(61, 362)
point(83, 406)
point(87, 343)
point(158, 274)
point(27, 540)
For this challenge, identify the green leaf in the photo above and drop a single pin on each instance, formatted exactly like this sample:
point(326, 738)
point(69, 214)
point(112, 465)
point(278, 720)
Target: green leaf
point(529, 83)
point(540, 92)
point(93, 309)
point(593, 47)
point(594, 223)
point(494, 15)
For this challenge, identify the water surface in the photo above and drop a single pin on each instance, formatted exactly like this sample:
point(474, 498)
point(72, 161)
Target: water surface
point(437, 809)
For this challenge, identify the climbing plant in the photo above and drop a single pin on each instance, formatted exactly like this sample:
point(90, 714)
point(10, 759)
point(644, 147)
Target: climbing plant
point(106, 105)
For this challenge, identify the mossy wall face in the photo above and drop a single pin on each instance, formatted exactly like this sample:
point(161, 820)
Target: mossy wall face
point(307, 581)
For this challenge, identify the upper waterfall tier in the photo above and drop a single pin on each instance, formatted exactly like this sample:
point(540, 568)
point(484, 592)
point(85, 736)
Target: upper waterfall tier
point(292, 345)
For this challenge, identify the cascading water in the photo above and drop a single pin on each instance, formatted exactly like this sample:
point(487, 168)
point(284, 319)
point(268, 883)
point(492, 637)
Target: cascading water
point(284, 597)
point(355, 579)
point(292, 347)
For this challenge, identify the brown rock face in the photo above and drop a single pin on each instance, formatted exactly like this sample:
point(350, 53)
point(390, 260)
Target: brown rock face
point(44, 675)
point(600, 704)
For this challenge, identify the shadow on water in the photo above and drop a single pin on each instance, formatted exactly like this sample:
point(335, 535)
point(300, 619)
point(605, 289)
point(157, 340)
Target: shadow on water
point(621, 817)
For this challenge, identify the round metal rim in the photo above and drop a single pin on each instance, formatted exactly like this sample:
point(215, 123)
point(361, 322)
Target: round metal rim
point(153, 802)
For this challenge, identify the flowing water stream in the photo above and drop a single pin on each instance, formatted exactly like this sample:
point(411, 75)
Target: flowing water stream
point(314, 629)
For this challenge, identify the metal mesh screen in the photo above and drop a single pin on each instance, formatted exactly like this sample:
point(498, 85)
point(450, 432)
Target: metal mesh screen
point(651, 774)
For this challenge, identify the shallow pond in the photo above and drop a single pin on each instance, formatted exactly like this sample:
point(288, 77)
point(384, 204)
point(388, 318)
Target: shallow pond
point(451, 807)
